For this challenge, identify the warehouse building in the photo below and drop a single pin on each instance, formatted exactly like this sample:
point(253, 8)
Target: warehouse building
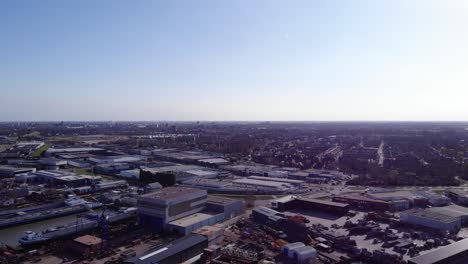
point(299, 252)
point(403, 200)
point(312, 176)
point(214, 162)
point(186, 225)
point(452, 210)
point(74, 150)
point(10, 172)
point(289, 181)
point(455, 253)
point(459, 196)
point(434, 199)
point(264, 214)
point(229, 207)
point(217, 209)
point(181, 172)
point(177, 251)
point(363, 202)
point(106, 185)
point(319, 205)
point(214, 185)
point(131, 174)
point(265, 186)
point(321, 176)
point(214, 233)
point(284, 203)
point(57, 177)
point(111, 168)
point(299, 175)
point(158, 208)
point(250, 169)
point(432, 219)
point(116, 159)
point(291, 202)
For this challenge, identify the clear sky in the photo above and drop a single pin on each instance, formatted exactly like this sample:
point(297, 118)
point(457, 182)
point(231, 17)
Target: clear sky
point(233, 60)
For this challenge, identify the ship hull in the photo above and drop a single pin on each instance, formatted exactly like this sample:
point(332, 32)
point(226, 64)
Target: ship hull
point(76, 229)
point(47, 214)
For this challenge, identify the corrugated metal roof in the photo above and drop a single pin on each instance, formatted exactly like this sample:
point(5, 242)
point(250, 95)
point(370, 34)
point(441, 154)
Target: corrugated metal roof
point(441, 253)
point(166, 251)
point(324, 202)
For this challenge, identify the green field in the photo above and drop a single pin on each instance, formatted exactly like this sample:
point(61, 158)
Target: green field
point(38, 152)
point(87, 172)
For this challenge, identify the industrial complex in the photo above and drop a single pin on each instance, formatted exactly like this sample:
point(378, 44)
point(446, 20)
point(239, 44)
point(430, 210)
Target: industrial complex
point(156, 198)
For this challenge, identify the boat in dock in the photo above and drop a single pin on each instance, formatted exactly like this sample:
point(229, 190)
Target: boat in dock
point(83, 223)
point(32, 214)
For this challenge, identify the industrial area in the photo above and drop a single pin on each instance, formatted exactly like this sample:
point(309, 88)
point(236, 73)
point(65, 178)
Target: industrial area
point(121, 198)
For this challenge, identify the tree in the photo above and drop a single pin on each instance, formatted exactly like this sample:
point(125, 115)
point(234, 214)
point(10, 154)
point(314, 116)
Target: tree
point(165, 179)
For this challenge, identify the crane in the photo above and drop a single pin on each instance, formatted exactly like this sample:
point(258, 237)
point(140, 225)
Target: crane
point(101, 219)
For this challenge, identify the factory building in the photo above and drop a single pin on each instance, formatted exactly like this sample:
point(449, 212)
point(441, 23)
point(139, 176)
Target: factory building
point(214, 162)
point(214, 233)
point(106, 185)
point(85, 245)
point(299, 175)
point(111, 168)
point(318, 205)
point(283, 204)
point(313, 176)
point(265, 186)
point(363, 202)
point(250, 169)
point(186, 225)
point(432, 219)
point(177, 251)
point(215, 185)
point(116, 159)
point(263, 215)
point(132, 174)
point(403, 200)
point(216, 210)
point(454, 211)
point(455, 253)
point(61, 151)
point(158, 208)
point(434, 199)
point(299, 252)
point(322, 175)
point(181, 172)
point(182, 210)
point(57, 177)
point(289, 181)
point(229, 207)
point(10, 172)
point(459, 196)
point(292, 202)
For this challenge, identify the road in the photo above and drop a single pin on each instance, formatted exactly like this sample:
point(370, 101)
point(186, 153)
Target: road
point(380, 152)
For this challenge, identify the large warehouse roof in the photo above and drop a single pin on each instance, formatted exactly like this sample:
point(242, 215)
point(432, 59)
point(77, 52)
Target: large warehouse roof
point(432, 215)
point(440, 254)
point(171, 193)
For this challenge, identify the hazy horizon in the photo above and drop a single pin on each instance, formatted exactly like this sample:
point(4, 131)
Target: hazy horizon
point(335, 61)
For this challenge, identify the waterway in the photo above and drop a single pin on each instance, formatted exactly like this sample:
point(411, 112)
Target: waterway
point(11, 235)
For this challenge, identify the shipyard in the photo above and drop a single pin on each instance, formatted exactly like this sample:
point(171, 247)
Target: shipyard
point(169, 205)
point(233, 132)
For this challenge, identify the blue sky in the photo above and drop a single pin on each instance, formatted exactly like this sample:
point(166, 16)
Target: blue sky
point(233, 60)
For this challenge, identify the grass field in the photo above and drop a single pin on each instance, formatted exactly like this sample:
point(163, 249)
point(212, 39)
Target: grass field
point(38, 152)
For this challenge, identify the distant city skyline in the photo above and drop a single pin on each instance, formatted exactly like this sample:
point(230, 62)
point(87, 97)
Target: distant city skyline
point(234, 60)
